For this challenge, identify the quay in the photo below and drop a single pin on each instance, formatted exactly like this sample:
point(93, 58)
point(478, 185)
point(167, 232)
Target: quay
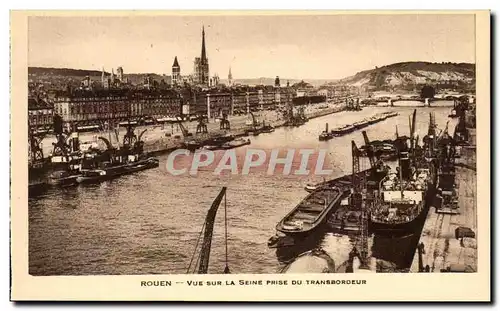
point(157, 142)
point(441, 247)
point(161, 139)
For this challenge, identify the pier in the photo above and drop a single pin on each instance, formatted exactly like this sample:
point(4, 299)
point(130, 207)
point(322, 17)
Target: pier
point(443, 246)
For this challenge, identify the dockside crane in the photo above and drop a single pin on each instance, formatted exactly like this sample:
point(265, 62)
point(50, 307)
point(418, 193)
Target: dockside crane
point(255, 123)
point(369, 150)
point(224, 122)
point(412, 130)
point(376, 164)
point(131, 140)
point(200, 266)
point(359, 203)
point(430, 139)
point(35, 147)
point(184, 130)
point(201, 127)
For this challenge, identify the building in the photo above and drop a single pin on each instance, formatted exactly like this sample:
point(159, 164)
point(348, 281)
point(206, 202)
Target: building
point(40, 113)
point(112, 77)
point(119, 74)
point(87, 83)
point(201, 69)
point(230, 78)
point(112, 80)
point(116, 105)
point(214, 81)
point(303, 89)
point(240, 103)
point(324, 92)
point(176, 73)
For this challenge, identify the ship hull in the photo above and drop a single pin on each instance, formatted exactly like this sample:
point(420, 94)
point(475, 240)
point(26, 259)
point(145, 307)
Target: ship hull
point(64, 181)
point(116, 172)
point(321, 214)
point(402, 228)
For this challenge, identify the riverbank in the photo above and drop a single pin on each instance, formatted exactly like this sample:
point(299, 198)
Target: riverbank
point(160, 139)
point(162, 144)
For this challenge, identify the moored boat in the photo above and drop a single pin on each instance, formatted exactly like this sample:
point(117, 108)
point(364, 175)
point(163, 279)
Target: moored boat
point(342, 130)
point(191, 145)
point(267, 129)
point(372, 176)
point(107, 171)
point(345, 218)
point(66, 168)
point(325, 135)
point(235, 144)
point(401, 204)
point(63, 178)
point(311, 212)
point(98, 166)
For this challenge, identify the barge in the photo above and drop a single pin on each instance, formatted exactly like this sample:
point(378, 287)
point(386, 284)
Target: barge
point(107, 170)
point(349, 128)
point(311, 212)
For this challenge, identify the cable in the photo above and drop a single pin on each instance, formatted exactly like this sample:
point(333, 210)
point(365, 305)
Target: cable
point(225, 219)
point(196, 247)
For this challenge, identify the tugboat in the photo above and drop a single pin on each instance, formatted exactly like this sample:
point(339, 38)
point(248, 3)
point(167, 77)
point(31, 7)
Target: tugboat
point(325, 135)
point(266, 128)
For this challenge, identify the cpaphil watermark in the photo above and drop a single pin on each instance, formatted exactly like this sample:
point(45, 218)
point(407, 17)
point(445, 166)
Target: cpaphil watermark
point(274, 161)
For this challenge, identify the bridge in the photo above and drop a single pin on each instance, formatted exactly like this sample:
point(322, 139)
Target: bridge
point(414, 102)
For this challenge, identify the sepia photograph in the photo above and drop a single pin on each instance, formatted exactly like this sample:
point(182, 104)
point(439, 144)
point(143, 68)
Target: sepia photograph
point(252, 144)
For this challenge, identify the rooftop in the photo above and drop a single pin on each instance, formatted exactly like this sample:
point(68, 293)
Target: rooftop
point(35, 103)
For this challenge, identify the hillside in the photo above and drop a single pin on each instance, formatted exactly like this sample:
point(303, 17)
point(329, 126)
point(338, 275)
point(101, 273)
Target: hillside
point(77, 74)
point(408, 74)
point(67, 72)
point(283, 81)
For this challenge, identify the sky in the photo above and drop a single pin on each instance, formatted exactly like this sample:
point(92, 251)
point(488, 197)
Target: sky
point(294, 46)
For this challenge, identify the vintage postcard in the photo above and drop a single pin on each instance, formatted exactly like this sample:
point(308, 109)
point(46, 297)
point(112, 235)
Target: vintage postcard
point(250, 155)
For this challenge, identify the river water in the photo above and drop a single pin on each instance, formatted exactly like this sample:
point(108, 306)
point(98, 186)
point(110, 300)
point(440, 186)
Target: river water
point(148, 223)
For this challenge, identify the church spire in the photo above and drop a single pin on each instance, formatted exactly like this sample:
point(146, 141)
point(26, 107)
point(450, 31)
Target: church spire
point(203, 52)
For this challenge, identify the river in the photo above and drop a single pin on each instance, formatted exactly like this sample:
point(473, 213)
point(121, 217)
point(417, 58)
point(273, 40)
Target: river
point(148, 223)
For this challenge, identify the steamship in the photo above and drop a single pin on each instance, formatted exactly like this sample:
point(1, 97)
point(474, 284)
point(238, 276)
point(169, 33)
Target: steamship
point(402, 201)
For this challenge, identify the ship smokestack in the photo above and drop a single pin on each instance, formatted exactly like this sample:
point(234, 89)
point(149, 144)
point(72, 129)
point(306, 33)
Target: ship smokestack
point(404, 161)
point(75, 141)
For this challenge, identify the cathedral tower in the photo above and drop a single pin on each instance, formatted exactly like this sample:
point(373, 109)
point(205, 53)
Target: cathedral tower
point(176, 72)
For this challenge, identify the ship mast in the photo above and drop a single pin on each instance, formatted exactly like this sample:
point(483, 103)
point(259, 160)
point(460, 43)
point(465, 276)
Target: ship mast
point(401, 178)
